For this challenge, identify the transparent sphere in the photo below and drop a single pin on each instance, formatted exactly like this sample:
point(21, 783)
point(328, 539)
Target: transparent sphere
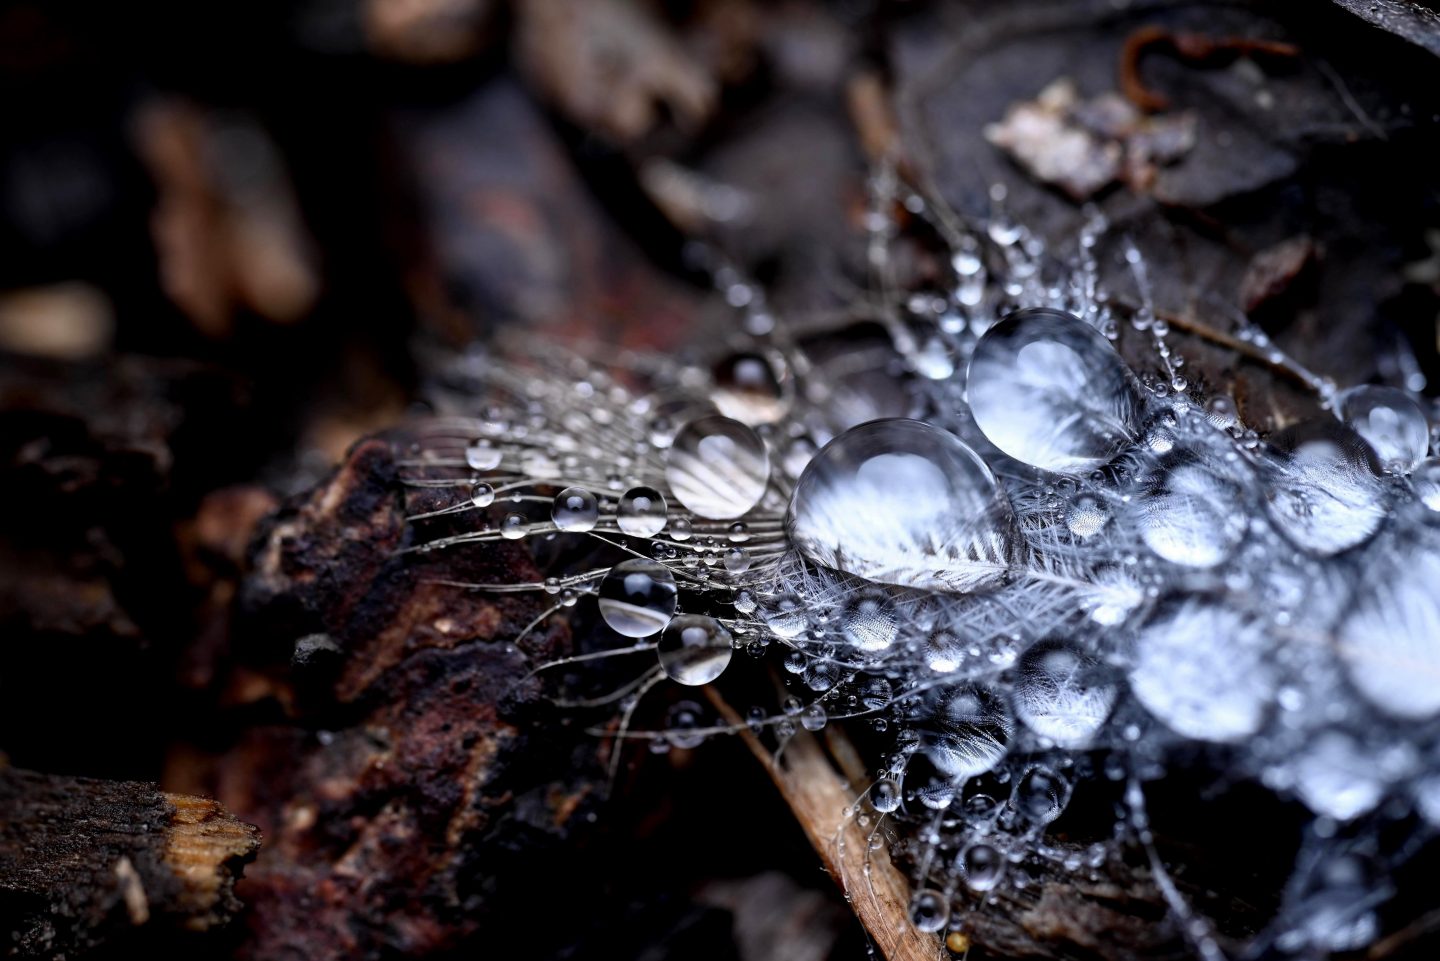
point(717, 467)
point(1048, 389)
point(1324, 491)
point(642, 512)
point(1390, 421)
point(1201, 668)
point(638, 597)
point(901, 502)
point(750, 387)
point(1192, 514)
point(695, 649)
point(575, 509)
point(1062, 693)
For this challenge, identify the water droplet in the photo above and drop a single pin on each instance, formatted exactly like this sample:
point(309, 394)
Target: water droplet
point(682, 725)
point(638, 597)
point(680, 529)
point(933, 360)
point(513, 527)
point(982, 867)
point(737, 560)
point(1049, 390)
point(1087, 516)
point(717, 467)
point(750, 387)
point(1041, 795)
point(869, 622)
point(885, 796)
point(694, 649)
point(1325, 493)
point(482, 495)
point(1337, 777)
point(1390, 421)
point(970, 729)
point(575, 510)
point(1220, 411)
point(738, 533)
point(745, 602)
point(1426, 482)
point(900, 502)
point(482, 456)
point(641, 512)
point(1191, 515)
point(786, 617)
point(813, 718)
point(1390, 638)
point(929, 910)
point(1200, 668)
point(1062, 693)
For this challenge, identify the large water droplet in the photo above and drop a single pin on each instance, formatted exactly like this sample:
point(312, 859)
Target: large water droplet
point(1200, 667)
point(695, 649)
point(1048, 389)
point(1062, 693)
point(1192, 514)
point(1390, 421)
point(717, 467)
point(1390, 639)
point(1325, 492)
point(638, 597)
point(901, 502)
point(641, 512)
point(575, 509)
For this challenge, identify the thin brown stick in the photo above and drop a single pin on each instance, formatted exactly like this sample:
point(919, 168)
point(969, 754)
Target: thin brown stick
point(818, 796)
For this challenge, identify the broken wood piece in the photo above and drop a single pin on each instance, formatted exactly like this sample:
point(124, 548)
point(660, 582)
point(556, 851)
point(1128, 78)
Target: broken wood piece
point(82, 860)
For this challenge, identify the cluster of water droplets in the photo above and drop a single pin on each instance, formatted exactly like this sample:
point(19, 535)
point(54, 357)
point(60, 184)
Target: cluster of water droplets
point(1026, 567)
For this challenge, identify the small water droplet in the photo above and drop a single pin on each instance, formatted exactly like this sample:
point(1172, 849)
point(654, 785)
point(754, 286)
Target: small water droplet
point(641, 512)
point(869, 622)
point(885, 796)
point(737, 560)
point(750, 388)
point(982, 866)
point(1191, 514)
point(513, 527)
point(813, 718)
point(482, 495)
point(1041, 795)
point(694, 649)
point(575, 510)
point(929, 910)
point(482, 456)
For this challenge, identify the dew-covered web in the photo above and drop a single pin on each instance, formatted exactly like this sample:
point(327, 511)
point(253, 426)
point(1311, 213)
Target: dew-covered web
point(1027, 571)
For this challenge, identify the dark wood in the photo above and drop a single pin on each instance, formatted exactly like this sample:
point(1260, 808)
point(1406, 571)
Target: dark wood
point(83, 860)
